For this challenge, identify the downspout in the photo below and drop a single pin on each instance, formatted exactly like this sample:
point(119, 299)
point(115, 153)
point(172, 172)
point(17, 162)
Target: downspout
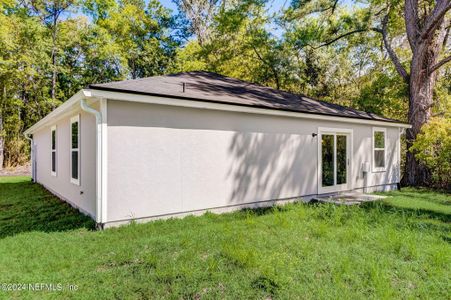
point(32, 158)
point(401, 132)
point(99, 180)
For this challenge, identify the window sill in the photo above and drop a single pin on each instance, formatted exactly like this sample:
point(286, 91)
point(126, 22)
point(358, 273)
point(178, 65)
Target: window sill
point(75, 181)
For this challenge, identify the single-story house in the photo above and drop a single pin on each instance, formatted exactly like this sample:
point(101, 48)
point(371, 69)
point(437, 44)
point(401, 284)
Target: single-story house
point(198, 141)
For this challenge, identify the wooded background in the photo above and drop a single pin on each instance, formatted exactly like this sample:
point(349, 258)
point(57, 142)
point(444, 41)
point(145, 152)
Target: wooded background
point(389, 57)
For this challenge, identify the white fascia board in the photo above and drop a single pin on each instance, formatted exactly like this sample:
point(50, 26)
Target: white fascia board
point(66, 107)
point(60, 111)
point(234, 108)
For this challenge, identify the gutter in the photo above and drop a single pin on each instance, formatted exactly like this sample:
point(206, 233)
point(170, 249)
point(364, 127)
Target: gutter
point(198, 104)
point(232, 107)
point(213, 101)
point(99, 176)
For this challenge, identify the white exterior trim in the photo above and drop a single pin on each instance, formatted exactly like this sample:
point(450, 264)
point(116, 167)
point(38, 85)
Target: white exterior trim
point(104, 157)
point(234, 207)
point(231, 107)
point(101, 157)
point(399, 152)
point(373, 157)
point(74, 119)
point(334, 131)
point(53, 129)
point(64, 108)
point(61, 111)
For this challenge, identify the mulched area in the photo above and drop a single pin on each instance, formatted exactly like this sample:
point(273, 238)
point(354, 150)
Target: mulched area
point(16, 171)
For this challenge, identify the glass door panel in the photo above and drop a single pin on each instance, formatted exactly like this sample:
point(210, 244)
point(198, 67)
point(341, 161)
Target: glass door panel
point(327, 159)
point(334, 155)
point(341, 159)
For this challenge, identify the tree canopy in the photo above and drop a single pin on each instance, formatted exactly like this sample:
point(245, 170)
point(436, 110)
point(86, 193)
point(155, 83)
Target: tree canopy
point(360, 54)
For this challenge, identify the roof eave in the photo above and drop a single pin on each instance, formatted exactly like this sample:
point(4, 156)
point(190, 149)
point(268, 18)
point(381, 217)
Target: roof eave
point(93, 92)
point(82, 94)
point(115, 94)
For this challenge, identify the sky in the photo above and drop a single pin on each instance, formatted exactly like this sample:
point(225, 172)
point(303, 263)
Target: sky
point(273, 5)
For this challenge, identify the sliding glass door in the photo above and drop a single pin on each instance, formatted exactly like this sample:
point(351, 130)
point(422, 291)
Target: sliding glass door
point(333, 167)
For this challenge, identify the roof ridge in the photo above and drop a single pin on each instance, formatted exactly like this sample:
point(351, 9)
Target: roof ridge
point(155, 76)
point(213, 86)
point(302, 95)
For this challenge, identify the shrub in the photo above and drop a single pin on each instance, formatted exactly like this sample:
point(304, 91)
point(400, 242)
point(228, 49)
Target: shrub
point(433, 148)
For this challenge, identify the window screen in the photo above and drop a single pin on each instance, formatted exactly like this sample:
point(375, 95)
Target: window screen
point(53, 137)
point(75, 150)
point(379, 149)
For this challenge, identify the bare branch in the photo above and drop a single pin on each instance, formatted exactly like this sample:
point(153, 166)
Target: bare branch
point(340, 37)
point(271, 66)
point(434, 20)
point(334, 6)
point(439, 64)
point(411, 17)
point(445, 39)
point(391, 53)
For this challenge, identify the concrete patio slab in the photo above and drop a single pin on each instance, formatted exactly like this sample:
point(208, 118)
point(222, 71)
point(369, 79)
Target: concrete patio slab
point(348, 198)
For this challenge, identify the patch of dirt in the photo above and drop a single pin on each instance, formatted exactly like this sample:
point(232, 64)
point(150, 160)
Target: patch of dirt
point(16, 171)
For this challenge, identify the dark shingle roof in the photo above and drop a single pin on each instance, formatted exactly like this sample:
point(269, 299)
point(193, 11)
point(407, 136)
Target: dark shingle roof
point(212, 87)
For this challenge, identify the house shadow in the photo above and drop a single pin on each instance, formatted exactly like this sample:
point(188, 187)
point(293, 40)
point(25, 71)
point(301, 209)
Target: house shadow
point(388, 208)
point(27, 206)
point(271, 166)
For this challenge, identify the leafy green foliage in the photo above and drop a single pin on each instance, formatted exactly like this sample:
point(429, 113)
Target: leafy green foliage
point(140, 35)
point(40, 40)
point(398, 248)
point(433, 148)
point(321, 48)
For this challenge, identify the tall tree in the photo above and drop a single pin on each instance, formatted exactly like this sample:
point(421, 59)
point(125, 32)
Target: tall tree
point(200, 15)
point(24, 82)
point(50, 12)
point(427, 31)
point(238, 44)
point(140, 31)
point(426, 27)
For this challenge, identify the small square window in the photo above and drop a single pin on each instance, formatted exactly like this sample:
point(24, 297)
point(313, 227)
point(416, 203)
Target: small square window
point(74, 134)
point(379, 136)
point(379, 139)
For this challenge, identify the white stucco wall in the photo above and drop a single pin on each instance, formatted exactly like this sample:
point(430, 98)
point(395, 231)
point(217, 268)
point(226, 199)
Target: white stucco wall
point(84, 195)
point(165, 159)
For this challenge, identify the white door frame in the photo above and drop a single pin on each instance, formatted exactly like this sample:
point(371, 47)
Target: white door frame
point(349, 144)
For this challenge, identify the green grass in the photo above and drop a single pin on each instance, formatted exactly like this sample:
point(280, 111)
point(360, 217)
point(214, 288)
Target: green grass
point(399, 248)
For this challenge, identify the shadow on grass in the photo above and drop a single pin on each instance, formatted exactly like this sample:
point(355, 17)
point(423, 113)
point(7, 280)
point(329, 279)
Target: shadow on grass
point(423, 194)
point(258, 211)
point(412, 211)
point(26, 206)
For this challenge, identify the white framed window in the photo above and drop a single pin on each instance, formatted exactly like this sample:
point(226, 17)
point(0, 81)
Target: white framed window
point(53, 150)
point(379, 149)
point(75, 150)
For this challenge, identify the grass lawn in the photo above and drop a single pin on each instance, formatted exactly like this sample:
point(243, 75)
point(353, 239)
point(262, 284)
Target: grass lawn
point(399, 248)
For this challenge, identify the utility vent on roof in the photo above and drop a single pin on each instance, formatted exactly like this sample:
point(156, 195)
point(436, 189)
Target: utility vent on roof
point(183, 86)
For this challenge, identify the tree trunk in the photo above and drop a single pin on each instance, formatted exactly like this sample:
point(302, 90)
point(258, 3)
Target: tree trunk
point(54, 71)
point(2, 138)
point(53, 74)
point(421, 88)
point(415, 174)
point(1, 142)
